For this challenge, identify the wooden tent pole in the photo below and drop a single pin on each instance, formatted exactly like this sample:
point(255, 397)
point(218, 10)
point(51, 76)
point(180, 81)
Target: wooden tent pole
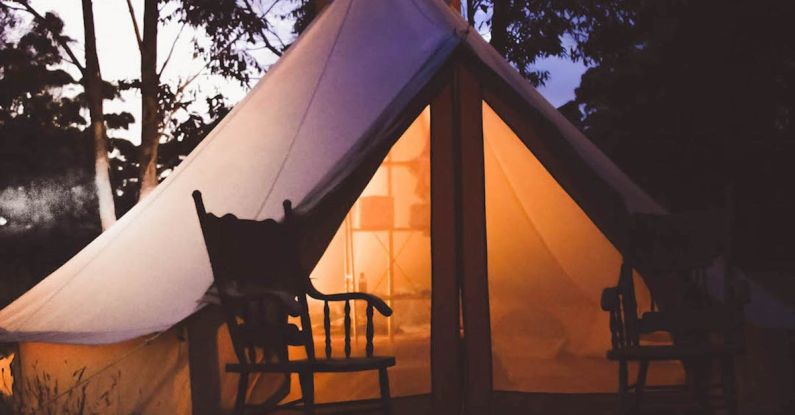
point(461, 369)
point(203, 358)
point(446, 373)
point(474, 272)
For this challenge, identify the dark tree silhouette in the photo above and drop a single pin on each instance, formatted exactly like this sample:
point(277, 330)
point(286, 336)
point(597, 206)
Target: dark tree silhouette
point(692, 98)
point(95, 97)
point(48, 207)
point(93, 85)
point(232, 27)
point(527, 30)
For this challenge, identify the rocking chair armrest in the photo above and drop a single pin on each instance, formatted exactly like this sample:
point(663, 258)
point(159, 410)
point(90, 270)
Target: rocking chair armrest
point(610, 300)
point(292, 307)
point(376, 302)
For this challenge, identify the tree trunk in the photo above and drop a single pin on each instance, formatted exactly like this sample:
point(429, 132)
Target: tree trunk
point(499, 26)
point(150, 123)
point(471, 12)
point(92, 82)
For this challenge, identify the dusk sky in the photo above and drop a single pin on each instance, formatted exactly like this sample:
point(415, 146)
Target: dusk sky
point(450, 230)
point(119, 58)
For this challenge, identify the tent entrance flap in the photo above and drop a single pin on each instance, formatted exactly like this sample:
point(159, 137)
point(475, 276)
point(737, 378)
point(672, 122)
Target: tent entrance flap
point(383, 247)
point(548, 263)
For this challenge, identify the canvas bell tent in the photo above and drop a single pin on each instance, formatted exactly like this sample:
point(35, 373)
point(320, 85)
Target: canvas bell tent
point(426, 170)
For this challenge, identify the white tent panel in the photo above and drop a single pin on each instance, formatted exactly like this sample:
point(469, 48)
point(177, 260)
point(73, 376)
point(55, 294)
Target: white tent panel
point(150, 269)
point(336, 98)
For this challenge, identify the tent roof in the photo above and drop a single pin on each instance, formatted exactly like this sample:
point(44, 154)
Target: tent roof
point(337, 95)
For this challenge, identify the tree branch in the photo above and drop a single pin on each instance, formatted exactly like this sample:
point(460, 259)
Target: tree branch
point(170, 51)
point(276, 35)
point(184, 84)
point(188, 81)
point(58, 37)
point(138, 38)
point(262, 32)
point(9, 7)
point(268, 10)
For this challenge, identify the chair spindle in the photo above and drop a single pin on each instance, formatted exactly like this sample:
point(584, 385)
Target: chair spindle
point(370, 331)
point(259, 318)
point(347, 329)
point(327, 327)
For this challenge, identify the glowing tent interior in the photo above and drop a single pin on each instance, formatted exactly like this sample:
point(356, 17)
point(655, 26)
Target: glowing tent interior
point(430, 173)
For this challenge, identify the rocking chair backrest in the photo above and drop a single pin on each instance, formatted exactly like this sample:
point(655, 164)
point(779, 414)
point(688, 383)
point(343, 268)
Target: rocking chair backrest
point(257, 274)
point(673, 251)
point(673, 242)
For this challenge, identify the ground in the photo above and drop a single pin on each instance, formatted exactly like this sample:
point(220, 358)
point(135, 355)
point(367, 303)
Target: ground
point(510, 403)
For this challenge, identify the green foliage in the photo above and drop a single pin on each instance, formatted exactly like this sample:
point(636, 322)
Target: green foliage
point(28, 85)
point(230, 26)
point(47, 202)
point(184, 134)
point(686, 81)
point(527, 30)
point(190, 132)
point(302, 15)
point(691, 97)
point(8, 23)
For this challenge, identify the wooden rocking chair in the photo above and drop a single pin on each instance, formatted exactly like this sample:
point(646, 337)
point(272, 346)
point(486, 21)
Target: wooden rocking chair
point(260, 283)
point(703, 329)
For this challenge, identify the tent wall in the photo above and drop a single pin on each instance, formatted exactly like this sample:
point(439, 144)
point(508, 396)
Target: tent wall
point(323, 116)
point(315, 130)
point(404, 177)
point(541, 246)
point(548, 263)
point(143, 375)
point(357, 259)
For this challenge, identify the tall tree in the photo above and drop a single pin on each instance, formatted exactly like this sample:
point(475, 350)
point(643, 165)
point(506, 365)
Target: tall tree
point(526, 30)
point(692, 97)
point(47, 199)
point(150, 85)
point(95, 93)
point(231, 27)
point(470, 11)
point(92, 81)
point(499, 26)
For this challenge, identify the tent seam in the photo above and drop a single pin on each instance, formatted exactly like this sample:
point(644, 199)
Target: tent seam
point(526, 213)
point(173, 177)
point(306, 111)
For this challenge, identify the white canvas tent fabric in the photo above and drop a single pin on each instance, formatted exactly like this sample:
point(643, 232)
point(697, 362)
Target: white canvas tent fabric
point(335, 101)
point(310, 118)
point(150, 269)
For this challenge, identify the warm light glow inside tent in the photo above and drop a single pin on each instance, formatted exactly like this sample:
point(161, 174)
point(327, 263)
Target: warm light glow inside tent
point(312, 131)
point(548, 264)
point(391, 219)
